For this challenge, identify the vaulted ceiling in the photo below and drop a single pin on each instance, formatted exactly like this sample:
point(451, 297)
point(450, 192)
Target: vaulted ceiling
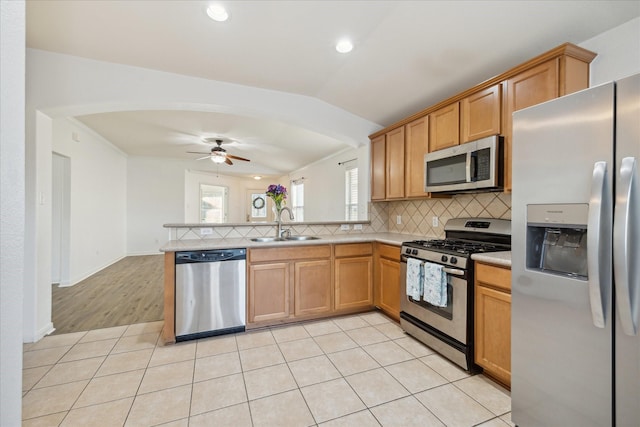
point(407, 54)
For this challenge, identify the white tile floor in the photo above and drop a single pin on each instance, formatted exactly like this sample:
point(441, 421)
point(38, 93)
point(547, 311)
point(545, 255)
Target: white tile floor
point(359, 370)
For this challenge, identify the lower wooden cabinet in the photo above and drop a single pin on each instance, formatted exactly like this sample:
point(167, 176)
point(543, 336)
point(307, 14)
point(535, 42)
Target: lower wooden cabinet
point(312, 287)
point(288, 282)
point(353, 270)
point(493, 321)
point(387, 279)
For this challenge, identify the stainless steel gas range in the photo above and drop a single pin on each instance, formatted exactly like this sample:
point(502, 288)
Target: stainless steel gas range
point(447, 327)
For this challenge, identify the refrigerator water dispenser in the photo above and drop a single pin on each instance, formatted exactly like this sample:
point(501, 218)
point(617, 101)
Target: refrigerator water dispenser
point(557, 239)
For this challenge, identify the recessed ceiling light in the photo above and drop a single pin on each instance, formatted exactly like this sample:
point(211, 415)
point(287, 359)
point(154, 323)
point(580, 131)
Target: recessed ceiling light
point(344, 46)
point(257, 177)
point(217, 13)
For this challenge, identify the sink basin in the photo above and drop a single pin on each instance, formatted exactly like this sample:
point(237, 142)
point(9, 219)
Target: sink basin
point(267, 239)
point(302, 238)
point(290, 238)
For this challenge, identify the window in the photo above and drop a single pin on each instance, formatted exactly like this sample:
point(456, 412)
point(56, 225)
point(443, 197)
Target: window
point(213, 203)
point(297, 199)
point(351, 193)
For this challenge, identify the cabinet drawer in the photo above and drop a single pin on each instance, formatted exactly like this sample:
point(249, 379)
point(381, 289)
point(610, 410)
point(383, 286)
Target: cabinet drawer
point(389, 251)
point(499, 277)
point(289, 253)
point(353, 249)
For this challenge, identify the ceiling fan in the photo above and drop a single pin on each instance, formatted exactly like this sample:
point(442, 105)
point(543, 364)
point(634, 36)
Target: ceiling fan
point(218, 154)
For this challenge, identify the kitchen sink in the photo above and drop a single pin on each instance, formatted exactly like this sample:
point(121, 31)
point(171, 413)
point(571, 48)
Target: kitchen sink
point(302, 238)
point(267, 239)
point(290, 238)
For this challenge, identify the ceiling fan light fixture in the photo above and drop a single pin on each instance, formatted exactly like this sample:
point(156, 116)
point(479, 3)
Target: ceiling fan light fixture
point(217, 12)
point(257, 177)
point(217, 157)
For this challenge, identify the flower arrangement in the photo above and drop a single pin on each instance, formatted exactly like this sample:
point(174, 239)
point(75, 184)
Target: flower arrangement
point(278, 193)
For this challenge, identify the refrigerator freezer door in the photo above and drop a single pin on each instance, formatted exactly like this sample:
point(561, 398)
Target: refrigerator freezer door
point(561, 362)
point(627, 338)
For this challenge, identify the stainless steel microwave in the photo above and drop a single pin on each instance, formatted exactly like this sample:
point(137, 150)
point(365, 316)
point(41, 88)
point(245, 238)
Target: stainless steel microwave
point(469, 167)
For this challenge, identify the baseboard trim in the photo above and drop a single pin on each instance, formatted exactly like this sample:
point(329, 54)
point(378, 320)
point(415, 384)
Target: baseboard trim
point(41, 333)
point(73, 282)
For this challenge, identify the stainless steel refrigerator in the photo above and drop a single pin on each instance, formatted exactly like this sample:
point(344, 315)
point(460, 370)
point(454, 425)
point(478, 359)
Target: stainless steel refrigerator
point(576, 259)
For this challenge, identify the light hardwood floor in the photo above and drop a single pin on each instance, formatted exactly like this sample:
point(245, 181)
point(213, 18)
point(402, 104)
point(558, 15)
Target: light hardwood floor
point(127, 292)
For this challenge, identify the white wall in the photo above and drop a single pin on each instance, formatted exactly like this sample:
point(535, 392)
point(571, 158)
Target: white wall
point(12, 221)
point(155, 196)
point(618, 53)
point(324, 180)
point(98, 202)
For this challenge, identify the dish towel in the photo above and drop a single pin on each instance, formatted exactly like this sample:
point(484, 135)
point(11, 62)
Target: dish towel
point(435, 284)
point(414, 278)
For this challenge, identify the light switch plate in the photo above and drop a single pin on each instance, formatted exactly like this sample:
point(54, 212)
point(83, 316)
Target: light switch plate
point(344, 227)
point(399, 219)
point(357, 226)
point(206, 231)
point(434, 221)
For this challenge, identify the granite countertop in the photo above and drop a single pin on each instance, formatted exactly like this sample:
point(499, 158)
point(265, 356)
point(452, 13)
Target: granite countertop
point(497, 258)
point(244, 242)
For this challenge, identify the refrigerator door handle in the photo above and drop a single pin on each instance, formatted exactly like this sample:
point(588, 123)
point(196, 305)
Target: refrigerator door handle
point(598, 243)
point(626, 212)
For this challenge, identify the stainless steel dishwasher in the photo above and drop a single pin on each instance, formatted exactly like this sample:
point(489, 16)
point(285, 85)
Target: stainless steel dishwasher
point(210, 293)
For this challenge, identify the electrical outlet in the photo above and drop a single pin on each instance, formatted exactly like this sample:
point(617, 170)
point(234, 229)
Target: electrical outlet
point(434, 221)
point(399, 219)
point(206, 231)
point(357, 226)
point(344, 227)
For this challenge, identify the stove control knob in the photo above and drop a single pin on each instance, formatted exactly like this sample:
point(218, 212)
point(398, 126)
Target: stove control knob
point(414, 252)
point(454, 260)
point(444, 258)
point(407, 251)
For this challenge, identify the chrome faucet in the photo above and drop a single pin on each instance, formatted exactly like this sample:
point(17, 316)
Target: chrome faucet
point(279, 230)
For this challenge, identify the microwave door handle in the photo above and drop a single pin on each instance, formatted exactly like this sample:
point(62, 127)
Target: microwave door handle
point(626, 211)
point(468, 167)
point(598, 244)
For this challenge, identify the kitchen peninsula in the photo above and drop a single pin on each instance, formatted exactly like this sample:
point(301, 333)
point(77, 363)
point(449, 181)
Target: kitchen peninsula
point(289, 281)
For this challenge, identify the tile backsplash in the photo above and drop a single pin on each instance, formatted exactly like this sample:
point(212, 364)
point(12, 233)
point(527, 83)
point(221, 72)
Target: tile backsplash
point(416, 216)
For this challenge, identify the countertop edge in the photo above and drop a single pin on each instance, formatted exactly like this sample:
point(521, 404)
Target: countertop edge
point(502, 259)
point(395, 239)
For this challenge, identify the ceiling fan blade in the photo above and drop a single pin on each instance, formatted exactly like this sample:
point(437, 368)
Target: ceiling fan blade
point(228, 161)
point(196, 152)
point(237, 158)
point(205, 157)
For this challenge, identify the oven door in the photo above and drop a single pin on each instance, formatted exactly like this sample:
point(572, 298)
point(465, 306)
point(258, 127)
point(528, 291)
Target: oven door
point(450, 320)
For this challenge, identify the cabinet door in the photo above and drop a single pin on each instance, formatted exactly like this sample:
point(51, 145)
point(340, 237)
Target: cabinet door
point(481, 112)
point(389, 279)
point(395, 164)
point(534, 86)
point(378, 168)
point(493, 332)
point(444, 127)
point(416, 146)
point(269, 288)
point(353, 287)
point(312, 287)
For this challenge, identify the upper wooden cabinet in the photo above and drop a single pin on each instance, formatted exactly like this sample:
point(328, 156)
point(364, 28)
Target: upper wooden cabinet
point(444, 125)
point(416, 145)
point(481, 114)
point(395, 164)
point(481, 111)
point(378, 168)
point(548, 80)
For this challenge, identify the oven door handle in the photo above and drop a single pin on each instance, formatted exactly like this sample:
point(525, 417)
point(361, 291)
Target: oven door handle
point(454, 271)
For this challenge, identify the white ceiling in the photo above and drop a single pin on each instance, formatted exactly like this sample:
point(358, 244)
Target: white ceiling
point(408, 55)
